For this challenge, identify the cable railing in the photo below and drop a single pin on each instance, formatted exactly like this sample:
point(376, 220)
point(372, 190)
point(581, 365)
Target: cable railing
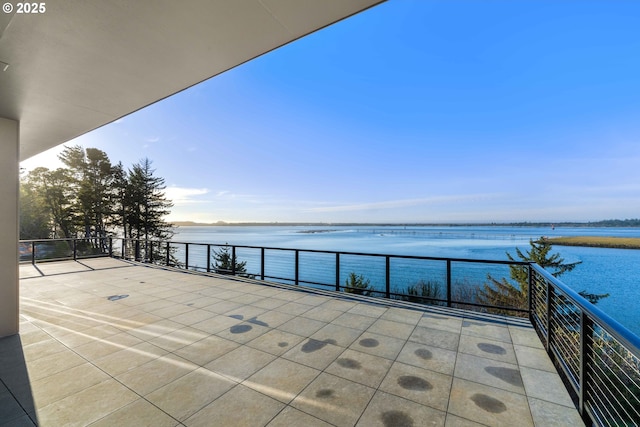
point(598, 358)
point(63, 249)
point(433, 280)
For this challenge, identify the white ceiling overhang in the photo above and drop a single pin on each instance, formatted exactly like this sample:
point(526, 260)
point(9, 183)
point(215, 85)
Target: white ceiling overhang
point(85, 63)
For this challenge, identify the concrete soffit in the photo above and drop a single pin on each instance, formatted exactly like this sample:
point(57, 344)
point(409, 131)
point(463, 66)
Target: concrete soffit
point(81, 64)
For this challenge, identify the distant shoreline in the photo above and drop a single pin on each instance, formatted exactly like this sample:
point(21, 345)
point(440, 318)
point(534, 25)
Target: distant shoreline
point(632, 223)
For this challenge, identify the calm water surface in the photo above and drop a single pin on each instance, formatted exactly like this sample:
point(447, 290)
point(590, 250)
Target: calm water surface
point(613, 271)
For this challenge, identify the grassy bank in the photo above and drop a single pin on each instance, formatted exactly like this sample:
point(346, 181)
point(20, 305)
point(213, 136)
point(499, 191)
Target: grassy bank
point(598, 242)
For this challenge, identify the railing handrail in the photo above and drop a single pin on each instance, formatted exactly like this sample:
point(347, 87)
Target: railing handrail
point(326, 251)
point(65, 239)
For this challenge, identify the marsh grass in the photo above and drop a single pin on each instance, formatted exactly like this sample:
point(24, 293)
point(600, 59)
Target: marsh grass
point(598, 241)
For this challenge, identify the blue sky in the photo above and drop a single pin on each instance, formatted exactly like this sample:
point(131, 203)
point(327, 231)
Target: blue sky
point(413, 111)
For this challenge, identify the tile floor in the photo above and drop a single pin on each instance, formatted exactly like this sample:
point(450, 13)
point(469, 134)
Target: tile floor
point(107, 343)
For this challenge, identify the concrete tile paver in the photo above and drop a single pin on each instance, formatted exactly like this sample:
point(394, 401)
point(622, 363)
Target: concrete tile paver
point(186, 349)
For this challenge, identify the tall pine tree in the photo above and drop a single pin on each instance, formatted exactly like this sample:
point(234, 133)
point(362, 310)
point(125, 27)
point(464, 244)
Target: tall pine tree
point(51, 191)
point(35, 221)
point(503, 293)
point(92, 176)
point(90, 197)
point(147, 204)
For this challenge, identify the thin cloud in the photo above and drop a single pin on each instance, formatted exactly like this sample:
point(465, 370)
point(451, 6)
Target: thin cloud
point(183, 196)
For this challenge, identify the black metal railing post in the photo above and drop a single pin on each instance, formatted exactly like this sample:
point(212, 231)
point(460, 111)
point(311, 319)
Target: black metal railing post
point(530, 292)
point(337, 271)
point(75, 250)
point(168, 260)
point(387, 277)
point(208, 258)
point(297, 268)
point(448, 283)
point(186, 256)
point(136, 254)
point(261, 263)
point(111, 247)
point(33, 252)
point(233, 260)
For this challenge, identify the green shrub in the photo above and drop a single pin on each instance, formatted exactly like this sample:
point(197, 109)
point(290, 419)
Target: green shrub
point(357, 284)
point(425, 292)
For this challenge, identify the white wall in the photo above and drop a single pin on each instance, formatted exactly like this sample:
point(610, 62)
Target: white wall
point(9, 177)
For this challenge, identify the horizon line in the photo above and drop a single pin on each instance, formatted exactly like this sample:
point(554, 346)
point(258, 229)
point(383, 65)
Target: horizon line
point(342, 223)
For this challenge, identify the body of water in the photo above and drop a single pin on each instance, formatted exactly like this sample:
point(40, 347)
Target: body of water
point(613, 271)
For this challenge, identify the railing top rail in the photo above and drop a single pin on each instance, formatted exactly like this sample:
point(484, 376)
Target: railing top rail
point(65, 239)
point(609, 324)
point(430, 258)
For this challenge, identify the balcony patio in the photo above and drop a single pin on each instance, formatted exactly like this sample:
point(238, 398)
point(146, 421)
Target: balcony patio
point(105, 342)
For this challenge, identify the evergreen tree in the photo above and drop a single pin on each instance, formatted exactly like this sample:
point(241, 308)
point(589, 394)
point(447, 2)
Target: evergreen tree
point(34, 219)
point(503, 293)
point(51, 191)
point(120, 199)
point(91, 177)
point(223, 262)
point(91, 197)
point(146, 204)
